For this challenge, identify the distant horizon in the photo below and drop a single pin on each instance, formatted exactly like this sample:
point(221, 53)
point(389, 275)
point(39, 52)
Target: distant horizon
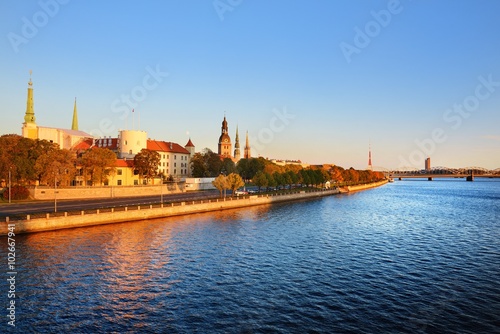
point(317, 83)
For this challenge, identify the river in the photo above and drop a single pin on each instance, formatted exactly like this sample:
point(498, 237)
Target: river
point(409, 257)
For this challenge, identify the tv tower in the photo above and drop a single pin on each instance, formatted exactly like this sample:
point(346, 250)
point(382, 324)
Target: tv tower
point(370, 167)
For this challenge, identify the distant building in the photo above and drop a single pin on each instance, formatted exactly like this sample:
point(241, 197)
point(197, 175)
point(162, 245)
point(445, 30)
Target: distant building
point(64, 138)
point(428, 164)
point(370, 166)
point(224, 147)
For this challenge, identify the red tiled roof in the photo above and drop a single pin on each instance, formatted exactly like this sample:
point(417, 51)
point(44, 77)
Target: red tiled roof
point(189, 143)
point(124, 163)
point(162, 146)
point(84, 144)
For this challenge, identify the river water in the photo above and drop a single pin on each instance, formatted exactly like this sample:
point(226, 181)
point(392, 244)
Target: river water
point(409, 257)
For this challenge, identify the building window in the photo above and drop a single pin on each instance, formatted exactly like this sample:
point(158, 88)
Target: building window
point(175, 171)
point(175, 156)
point(167, 164)
point(136, 182)
point(163, 164)
point(119, 172)
point(164, 156)
point(119, 182)
point(168, 156)
point(175, 164)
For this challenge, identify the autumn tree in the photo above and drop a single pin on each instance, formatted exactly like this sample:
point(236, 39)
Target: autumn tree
point(221, 183)
point(146, 163)
point(98, 164)
point(56, 166)
point(234, 181)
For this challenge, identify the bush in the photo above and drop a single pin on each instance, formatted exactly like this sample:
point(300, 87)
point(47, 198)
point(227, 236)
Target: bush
point(17, 193)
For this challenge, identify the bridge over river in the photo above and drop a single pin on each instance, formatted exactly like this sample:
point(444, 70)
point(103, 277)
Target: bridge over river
point(443, 172)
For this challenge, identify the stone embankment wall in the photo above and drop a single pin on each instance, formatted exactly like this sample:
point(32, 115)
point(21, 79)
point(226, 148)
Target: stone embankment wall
point(165, 210)
point(149, 212)
point(46, 193)
point(366, 186)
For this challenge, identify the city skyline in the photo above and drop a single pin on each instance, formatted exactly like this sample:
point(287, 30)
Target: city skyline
point(314, 82)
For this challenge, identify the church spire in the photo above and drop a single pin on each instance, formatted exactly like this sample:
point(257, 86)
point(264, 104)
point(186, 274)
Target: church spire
point(29, 117)
point(248, 155)
point(74, 125)
point(237, 153)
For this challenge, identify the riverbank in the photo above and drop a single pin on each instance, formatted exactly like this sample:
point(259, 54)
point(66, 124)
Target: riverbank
point(126, 214)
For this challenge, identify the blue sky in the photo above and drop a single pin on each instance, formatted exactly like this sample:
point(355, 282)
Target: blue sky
point(311, 80)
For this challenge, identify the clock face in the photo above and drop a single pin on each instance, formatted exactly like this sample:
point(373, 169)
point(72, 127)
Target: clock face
point(225, 140)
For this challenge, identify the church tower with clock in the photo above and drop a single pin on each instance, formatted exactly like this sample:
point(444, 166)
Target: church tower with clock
point(224, 141)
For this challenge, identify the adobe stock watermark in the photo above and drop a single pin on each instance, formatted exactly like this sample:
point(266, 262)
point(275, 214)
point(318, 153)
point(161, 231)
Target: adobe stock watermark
point(123, 105)
point(373, 28)
point(280, 120)
point(223, 6)
point(454, 118)
point(31, 26)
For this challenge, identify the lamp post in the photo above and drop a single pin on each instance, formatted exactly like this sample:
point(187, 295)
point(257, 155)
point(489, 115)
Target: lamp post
point(161, 189)
point(10, 184)
point(55, 193)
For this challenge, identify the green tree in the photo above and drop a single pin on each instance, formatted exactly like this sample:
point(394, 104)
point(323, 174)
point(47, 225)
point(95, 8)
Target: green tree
point(234, 181)
point(198, 166)
point(221, 183)
point(271, 182)
point(260, 180)
point(278, 177)
point(228, 166)
point(146, 163)
point(209, 164)
point(291, 178)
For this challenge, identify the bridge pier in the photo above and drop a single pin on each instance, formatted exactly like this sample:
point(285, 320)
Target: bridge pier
point(429, 178)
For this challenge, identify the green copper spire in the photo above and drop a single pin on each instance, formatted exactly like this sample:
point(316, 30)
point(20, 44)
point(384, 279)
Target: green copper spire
point(74, 125)
point(30, 113)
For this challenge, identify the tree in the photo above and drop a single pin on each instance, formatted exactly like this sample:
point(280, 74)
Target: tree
point(260, 180)
point(247, 168)
point(209, 164)
point(294, 177)
point(221, 183)
point(198, 166)
point(228, 166)
point(146, 162)
point(278, 177)
point(271, 182)
point(98, 164)
point(234, 181)
point(56, 166)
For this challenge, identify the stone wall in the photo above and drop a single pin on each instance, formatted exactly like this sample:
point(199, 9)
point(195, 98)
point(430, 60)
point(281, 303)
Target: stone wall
point(149, 212)
point(47, 193)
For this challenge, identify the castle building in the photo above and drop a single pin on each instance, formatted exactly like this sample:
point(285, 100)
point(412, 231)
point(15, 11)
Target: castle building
point(65, 138)
point(224, 147)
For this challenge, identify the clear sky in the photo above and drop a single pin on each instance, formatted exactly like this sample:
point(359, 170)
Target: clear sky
point(311, 80)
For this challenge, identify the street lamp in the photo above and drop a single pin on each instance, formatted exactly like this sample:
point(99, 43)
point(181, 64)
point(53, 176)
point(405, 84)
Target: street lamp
point(55, 193)
point(161, 189)
point(10, 185)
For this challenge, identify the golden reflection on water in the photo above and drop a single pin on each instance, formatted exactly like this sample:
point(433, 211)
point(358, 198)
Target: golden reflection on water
point(132, 261)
